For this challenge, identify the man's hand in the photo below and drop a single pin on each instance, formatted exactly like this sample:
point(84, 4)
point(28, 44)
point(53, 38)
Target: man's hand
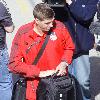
point(61, 68)
point(69, 2)
point(46, 73)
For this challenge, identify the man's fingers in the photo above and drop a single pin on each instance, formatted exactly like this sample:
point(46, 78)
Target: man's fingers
point(61, 73)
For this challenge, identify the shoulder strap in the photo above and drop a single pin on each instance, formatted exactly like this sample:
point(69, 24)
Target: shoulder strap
point(42, 49)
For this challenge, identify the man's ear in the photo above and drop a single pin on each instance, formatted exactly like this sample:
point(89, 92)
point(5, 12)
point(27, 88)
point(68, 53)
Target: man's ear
point(36, 20)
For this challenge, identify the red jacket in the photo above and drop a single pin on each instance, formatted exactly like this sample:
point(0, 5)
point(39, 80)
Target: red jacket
point(59, 47)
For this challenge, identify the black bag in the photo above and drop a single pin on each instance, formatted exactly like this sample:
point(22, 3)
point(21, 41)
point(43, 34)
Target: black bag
point(56, 88)
point(19, 90)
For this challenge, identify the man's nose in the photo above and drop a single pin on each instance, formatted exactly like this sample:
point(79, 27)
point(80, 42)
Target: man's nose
point(51, 25)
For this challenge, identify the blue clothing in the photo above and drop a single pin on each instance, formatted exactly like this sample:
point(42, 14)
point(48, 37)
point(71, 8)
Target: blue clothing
point(5, 76)
point(80, 69)
point(5, 21)
point(81, 13)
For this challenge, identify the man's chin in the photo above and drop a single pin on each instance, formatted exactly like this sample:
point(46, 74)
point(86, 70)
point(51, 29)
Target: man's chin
point(46, 30)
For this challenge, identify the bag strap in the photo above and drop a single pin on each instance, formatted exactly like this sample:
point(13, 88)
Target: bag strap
point(40, 54)
point(42, 48)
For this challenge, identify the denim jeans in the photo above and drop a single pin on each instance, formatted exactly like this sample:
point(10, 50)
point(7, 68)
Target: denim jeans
point(80, 69)
point(5, 76)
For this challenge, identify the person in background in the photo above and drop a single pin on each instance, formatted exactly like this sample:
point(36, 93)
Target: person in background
point(81, 14)
point(95, 28)
point(98, 17)
point(56, 56)
point(98, 11)
point(6, 25)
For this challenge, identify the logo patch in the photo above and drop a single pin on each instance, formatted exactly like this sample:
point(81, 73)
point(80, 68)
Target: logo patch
point(53, 36)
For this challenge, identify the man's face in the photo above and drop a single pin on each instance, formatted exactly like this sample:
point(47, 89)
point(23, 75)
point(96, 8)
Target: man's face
point(45, 25)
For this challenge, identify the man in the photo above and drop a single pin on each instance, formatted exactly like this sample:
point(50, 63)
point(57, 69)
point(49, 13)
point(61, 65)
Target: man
point(56, 56)
point(6, 25)
point(81, 13)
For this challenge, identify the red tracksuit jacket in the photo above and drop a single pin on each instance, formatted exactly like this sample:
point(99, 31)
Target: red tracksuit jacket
point(59, 47)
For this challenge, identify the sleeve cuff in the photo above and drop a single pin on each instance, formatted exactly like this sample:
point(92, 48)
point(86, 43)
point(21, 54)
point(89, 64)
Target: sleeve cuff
point(65, 62)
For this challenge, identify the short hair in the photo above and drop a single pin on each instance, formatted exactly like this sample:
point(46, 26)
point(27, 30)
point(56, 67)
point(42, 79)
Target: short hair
point(43, 11)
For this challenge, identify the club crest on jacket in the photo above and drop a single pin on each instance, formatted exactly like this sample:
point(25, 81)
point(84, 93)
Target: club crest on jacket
point(53, 36)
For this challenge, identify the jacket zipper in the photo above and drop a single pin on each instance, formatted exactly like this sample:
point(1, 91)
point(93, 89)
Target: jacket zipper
point(33, 88)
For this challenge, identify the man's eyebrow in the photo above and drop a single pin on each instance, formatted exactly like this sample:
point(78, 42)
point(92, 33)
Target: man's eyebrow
point(47, 22)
